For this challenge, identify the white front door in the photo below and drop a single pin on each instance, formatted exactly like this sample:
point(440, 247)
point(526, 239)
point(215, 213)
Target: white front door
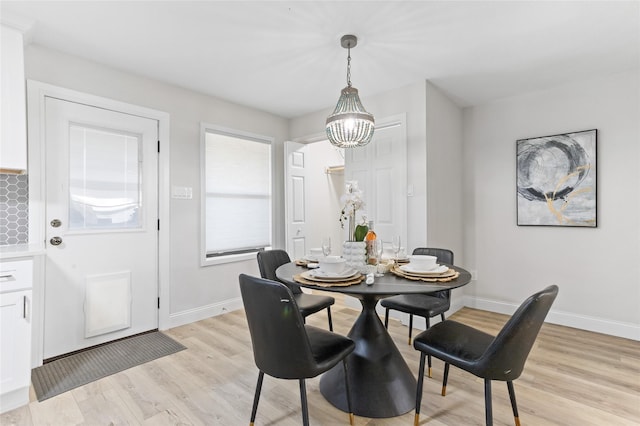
point(381, 171)
point(101, 276)
point(296, 187)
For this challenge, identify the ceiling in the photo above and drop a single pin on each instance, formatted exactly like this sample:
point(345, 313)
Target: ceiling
point(286, 58)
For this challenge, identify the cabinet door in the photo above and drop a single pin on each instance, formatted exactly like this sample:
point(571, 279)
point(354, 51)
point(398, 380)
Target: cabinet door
point(13, 141)
point(15, 340)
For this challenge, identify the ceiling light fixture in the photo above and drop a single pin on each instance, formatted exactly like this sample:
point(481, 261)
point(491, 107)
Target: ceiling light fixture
point(350, 125)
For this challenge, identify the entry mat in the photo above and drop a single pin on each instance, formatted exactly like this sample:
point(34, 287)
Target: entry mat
point(80, 368)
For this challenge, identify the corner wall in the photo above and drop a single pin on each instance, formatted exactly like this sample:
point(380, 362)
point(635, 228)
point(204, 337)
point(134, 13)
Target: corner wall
point(597, 269)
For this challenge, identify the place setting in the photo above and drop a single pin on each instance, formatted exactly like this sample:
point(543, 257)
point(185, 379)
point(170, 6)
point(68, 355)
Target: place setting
point(332, 271)
point(424, 268)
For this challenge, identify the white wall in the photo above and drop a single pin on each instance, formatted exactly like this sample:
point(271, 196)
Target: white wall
point(196, 292)
point(597, 270)
point(444, 173)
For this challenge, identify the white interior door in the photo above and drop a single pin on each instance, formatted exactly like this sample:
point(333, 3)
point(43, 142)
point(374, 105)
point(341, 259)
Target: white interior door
point(381, 171)
point(296, 187)
point(101, 276)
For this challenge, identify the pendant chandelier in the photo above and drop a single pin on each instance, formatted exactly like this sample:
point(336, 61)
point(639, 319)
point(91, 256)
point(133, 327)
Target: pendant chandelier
point(350, 125)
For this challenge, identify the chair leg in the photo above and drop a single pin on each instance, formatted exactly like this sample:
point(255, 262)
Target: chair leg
point(329, 315)
point(386, 318)
point(445, 377)
point(346, 387)
point(514, 406)
point(410, 327)
point(303, 400)
point(487, 403)
point(416, 419)
point(428, 357)
point(442, 316)
point(256, 398)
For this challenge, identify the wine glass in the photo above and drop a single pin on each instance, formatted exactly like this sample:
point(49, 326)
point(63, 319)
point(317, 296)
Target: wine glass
point(326, 246)
point(379, 249)
point(395, 246)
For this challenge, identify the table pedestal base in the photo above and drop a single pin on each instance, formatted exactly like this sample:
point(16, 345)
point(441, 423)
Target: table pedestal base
point(380, 381)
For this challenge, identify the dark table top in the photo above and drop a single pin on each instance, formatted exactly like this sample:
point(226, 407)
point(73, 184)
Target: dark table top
point(387, 285)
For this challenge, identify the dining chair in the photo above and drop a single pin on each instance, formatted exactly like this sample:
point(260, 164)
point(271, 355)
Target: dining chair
point(423, 305)
point(269, 261)
point(491, 358)
point(283, 346)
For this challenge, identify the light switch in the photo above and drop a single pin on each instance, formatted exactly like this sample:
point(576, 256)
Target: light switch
point(182, 192)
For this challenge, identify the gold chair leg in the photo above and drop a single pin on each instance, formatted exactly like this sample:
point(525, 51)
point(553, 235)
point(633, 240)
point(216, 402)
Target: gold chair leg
point(444, 391)
point(429, 373)
point(416, 420)
point(352, 420)
point(517, 419)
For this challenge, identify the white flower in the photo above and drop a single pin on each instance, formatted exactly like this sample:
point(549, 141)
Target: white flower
point(352, 202)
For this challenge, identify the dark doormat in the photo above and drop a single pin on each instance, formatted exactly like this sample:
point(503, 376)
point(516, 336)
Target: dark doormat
point(83, 367)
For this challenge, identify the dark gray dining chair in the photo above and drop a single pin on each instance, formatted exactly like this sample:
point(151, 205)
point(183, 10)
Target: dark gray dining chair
point(283, 346)
point(491, 358)
point(423, 305)
point(269, 261)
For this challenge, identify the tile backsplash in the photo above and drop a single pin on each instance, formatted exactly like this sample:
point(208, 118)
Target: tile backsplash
point(14, 209)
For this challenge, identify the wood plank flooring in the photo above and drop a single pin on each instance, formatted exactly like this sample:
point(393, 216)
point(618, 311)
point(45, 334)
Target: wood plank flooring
point(572, 377)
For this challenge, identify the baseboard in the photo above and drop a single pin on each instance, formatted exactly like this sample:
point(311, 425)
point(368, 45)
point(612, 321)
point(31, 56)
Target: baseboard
point(568, 319)
point(192, 315)
point(14, 399)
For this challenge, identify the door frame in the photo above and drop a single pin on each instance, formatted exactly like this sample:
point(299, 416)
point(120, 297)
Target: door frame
point(37, 92)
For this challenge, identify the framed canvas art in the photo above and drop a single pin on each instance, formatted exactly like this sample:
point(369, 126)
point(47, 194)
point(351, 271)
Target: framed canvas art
point(556, 180)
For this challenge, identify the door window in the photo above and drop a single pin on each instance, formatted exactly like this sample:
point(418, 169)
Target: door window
point(104, 179)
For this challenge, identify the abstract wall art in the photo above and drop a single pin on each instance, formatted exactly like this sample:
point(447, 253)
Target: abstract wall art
point(556, 180)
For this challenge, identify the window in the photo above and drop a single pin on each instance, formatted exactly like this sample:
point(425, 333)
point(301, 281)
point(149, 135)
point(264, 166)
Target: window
point(104, 179)
point(236, 198)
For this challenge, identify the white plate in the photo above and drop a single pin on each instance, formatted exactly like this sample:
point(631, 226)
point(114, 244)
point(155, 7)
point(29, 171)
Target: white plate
point(311, 258)
point(412, 269)
point(319, 273)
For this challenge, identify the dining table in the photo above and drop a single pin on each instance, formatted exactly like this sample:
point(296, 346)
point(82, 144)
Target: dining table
point(381, 383)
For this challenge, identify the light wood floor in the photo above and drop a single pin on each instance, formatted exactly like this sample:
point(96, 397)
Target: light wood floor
point(572, 377)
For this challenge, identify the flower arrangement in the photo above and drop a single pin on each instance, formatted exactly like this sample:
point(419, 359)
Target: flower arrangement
point(352, 202)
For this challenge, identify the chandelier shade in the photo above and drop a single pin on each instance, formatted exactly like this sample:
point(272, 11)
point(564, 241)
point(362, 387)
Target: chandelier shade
point(350, 125)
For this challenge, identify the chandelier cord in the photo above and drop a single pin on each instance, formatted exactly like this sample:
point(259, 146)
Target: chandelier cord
point(349, 66)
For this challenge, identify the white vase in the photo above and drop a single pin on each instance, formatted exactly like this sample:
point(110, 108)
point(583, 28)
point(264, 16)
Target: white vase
point(354, 253)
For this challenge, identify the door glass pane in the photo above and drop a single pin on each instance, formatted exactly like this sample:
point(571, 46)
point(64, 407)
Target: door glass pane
point(104, 179)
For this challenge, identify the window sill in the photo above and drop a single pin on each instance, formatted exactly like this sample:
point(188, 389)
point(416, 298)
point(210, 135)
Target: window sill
point(232, 258)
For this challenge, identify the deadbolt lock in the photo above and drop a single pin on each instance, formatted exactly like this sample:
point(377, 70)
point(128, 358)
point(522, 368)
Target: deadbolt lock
point(55, 241)
point(56, 223)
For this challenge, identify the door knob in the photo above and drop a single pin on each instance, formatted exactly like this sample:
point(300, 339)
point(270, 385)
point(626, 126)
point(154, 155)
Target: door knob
point(55, 241)
point(56, 223)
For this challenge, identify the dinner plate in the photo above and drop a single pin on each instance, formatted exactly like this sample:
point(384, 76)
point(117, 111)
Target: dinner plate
point(320, 275)
point(412, 270)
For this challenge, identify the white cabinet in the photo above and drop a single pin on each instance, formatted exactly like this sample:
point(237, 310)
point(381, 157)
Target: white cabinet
point(13, 142)
point(16, 280)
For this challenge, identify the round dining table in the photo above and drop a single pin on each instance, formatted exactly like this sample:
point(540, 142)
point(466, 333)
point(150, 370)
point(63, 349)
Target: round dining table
point(381, 383)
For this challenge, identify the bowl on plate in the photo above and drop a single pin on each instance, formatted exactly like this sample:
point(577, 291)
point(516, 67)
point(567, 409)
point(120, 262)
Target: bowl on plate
point(422, 262)
point(332, 264)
